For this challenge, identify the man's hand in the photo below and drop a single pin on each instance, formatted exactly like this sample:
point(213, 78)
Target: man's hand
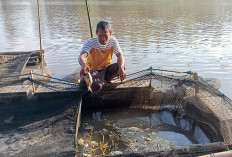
point(121, 74)
point(85, 69)
point(121, 70)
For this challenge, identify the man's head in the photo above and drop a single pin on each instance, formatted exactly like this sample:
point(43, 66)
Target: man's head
point(103, 32)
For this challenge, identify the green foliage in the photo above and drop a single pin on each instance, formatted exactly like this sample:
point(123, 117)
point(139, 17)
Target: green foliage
point(94, 146)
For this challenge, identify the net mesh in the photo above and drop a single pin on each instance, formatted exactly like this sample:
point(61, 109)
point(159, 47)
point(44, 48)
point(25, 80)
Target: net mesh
point(12, 64)
point(151, 89)
point(183, 93)
point(38, 115)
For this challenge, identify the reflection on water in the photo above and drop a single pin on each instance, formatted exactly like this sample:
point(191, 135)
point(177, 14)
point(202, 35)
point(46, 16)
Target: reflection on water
point(137, 130)
point(177, 35)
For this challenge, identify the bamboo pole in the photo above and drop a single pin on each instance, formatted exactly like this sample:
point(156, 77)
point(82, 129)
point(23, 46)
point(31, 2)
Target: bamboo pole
point(40, 37)
point(90, 27)
point(33, 85)
point(78, 121)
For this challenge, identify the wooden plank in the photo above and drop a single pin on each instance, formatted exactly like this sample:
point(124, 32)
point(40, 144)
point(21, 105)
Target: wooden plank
point(78, 121)
point(19, 52)
point(12, 64)
point(25, 64)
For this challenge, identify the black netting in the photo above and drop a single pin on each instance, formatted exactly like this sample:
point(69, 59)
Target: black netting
point(184, 94)
point(12, 64)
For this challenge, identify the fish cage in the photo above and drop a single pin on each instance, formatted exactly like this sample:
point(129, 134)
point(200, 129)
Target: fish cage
point(153, 112)
point(183, 103)
point(17, 63)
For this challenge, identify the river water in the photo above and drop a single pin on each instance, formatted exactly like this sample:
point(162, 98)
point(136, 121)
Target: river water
point(169, 34)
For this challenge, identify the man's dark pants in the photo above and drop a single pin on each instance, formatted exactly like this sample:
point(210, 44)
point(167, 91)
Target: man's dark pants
point(103, 76)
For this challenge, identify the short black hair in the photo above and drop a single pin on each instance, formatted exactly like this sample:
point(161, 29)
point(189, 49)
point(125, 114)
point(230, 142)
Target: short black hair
point(103, 25)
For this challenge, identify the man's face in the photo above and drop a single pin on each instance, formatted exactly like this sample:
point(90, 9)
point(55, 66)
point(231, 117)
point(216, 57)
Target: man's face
point(103, 36)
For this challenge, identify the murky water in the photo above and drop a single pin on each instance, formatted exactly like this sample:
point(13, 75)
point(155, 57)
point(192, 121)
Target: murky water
point(140, 130)
point(177, 35)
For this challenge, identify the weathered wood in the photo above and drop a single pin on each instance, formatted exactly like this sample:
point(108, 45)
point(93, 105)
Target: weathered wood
point(31, 63)
point(19, 52)
point(219, 154)
point(25, 64)
point(78, 120)
point(33, 85)
point(192, 150)
point(12, 64)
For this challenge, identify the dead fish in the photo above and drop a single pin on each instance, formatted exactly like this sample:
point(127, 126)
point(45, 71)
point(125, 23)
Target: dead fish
point(9, 120)
point(89, 81)
point(117, 153)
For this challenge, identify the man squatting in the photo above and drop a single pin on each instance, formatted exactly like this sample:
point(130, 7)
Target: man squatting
point(99, 52)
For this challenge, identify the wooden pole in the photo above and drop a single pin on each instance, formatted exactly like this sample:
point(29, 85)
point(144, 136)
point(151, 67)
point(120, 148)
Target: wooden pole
point(90, 27)
point(78, 122)
point(33, 85)
point(40, 37)
point(195, 78)
point(161, 80)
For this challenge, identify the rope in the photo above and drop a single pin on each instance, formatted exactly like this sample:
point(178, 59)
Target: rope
point(186, 72)
point(53, 78)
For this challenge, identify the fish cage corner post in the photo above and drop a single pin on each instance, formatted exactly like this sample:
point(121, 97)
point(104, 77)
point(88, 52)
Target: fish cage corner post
point(42, 61)
point(195, 78)
point(33, 85)
point(78, 123)
point(40, 37)
point(88, 13)
point(150, 75)
point(18, 77)
point(161, 79)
